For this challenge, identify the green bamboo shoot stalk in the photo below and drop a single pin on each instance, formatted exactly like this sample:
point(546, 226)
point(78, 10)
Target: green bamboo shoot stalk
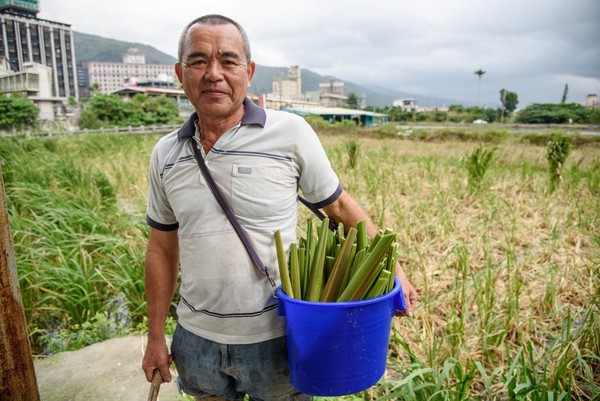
point(338, 249)
point(392, 261)
point(308, 260)
point(380, 286)
point(362, 238)
point(358, 258)
point(303, 272)
point(309, 248)
point(284, 274)
point(329, 263)
point(370, 281)
point(295, 274)
point(317, 278)
point(367, 271)
point(332, 287)
point(330, 248)
point(348, 267)
point(374, 241)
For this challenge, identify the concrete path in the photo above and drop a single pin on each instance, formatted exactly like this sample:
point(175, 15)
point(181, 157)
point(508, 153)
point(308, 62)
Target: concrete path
point(110, 370)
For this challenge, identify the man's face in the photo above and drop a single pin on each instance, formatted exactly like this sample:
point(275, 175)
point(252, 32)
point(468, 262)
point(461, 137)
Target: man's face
point(214, 72)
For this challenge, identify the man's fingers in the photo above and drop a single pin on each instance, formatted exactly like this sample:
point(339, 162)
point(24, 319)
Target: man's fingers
point(166, 374)
point(150, 370)
point(404, 312)
point(411, 302)
point(157, 377)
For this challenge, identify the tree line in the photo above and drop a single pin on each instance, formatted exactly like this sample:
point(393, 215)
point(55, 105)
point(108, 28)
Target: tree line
point(536, 113)
point(100, 111)
point(110, 110)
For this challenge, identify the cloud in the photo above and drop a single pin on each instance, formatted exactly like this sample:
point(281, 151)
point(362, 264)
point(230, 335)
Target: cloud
point(432, 47)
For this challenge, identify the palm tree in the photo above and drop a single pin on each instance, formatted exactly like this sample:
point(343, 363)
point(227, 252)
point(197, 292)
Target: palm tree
point(479, 73)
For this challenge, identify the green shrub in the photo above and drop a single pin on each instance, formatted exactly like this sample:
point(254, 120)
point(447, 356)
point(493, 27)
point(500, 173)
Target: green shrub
point(317, 122)
point(557, 150)
point(477, 164)
point(352, 147)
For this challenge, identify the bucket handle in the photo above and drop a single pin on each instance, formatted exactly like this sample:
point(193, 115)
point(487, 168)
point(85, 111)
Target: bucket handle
point(280, 307)
point(399, 301)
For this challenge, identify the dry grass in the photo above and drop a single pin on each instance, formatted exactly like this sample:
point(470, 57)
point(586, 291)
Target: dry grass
point(507, 275)
point(497, 269)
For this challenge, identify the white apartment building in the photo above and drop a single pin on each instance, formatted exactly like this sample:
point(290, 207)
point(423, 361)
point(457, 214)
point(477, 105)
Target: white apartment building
point(111, 77)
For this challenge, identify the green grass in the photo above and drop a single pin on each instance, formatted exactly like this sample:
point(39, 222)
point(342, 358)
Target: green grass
point(508, 275)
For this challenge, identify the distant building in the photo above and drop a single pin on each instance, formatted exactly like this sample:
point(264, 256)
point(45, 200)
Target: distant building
point(332, 94)
point(406, 104)
point(286, 92)
point(133, 71)
point(134, 56)
point(591, 101)
point(30, 46)
point(271, 101)
point(183, 104)
point(337, 114)
point(83, 83)
point(287, 95)
point(289, 87)
point(412, 106)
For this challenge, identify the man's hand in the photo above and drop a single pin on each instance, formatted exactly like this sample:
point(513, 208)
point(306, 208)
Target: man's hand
point(410, 295)
point(157, 357)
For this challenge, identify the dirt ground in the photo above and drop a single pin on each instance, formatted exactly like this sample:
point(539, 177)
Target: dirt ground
point(110, 370)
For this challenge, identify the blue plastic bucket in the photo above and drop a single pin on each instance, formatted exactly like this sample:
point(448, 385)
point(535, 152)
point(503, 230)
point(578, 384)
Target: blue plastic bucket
point(338, 348)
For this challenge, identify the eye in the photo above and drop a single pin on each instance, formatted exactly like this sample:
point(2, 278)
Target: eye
point(229, 63)
point(200, 63)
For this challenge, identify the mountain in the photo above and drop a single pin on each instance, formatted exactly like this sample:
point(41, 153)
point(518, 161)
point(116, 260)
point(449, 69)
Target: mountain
point(427, 101)
point(96, 48)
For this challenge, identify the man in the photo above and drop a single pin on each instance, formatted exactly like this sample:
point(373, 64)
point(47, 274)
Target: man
point(229, 341)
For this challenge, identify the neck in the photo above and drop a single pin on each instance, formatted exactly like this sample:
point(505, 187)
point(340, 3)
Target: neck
point(212, 128)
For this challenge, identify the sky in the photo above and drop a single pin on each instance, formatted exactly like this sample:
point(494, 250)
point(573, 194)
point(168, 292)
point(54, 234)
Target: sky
point(428, 48)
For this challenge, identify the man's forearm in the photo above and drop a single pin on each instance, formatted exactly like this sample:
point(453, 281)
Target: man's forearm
point(162, 265)
point(345, 210)
point(161, 281)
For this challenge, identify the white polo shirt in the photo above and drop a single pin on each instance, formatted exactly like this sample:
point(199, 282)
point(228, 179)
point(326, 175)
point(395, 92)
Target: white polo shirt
point(259, 167)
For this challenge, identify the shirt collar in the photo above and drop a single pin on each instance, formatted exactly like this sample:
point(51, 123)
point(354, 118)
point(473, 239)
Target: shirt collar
point(253, 114)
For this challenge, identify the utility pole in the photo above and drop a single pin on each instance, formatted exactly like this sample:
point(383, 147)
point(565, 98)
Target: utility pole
point(17, 373)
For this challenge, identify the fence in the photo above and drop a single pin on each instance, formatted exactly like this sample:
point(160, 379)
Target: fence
point(125, 130)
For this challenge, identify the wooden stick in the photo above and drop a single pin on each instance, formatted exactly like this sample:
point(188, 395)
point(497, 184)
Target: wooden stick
point(155, 385)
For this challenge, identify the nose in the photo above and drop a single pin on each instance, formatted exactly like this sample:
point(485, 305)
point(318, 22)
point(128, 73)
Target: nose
point(213, 72)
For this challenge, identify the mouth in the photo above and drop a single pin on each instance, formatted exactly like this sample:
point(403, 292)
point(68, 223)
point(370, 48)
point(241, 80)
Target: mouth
point(214, 92)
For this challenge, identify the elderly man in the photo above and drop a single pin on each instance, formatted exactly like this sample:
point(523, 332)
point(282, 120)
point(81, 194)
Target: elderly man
point(229, 341)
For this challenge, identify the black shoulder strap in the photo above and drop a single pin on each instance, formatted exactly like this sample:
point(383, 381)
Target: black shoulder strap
point(233, 219)
point(230, 215)
point(317, 212)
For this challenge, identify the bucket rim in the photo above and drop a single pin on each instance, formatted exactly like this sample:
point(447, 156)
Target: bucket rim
point(344, 304)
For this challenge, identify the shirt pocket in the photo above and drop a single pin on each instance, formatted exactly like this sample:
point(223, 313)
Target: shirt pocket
point(256, 191)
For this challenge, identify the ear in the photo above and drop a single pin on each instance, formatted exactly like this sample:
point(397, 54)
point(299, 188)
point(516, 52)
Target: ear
point(251, 69)
point(178, 71)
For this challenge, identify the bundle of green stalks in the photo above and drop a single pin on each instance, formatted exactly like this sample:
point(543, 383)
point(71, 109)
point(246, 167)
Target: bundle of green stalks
point(335, 266)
